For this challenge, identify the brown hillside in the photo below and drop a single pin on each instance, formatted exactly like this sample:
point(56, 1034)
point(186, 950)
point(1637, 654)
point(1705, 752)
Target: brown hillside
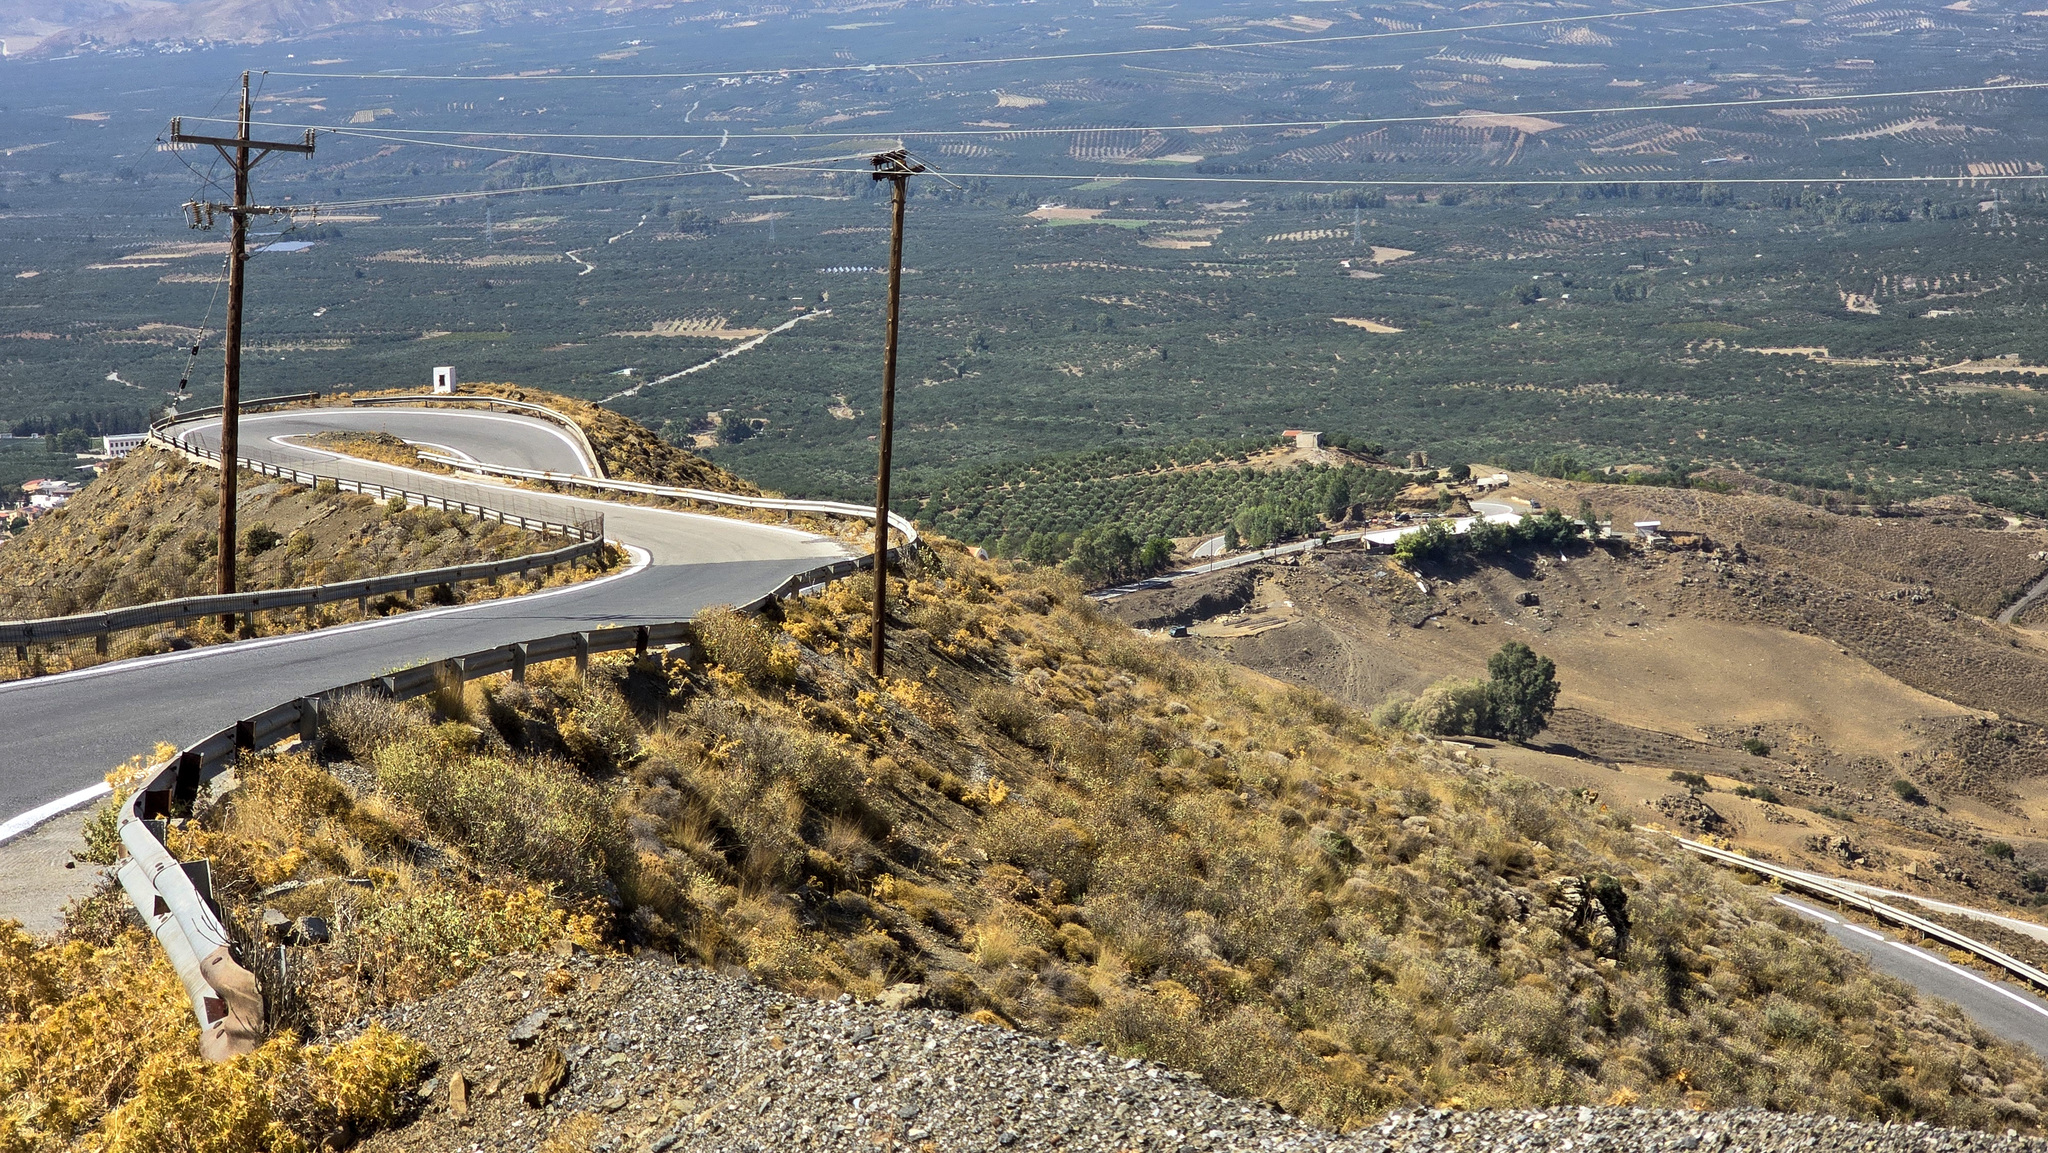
point(1908, 594)
point(145, 531)
point(1052, 824)
point(1835, 644)
point(628, 449)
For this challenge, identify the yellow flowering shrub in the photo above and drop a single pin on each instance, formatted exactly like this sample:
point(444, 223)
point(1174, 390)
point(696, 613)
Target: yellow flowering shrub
point(99, 1052)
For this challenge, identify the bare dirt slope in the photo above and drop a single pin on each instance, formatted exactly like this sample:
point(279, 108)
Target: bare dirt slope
point(1849, 652)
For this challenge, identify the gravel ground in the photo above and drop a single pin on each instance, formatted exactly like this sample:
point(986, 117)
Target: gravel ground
point(663, 1058)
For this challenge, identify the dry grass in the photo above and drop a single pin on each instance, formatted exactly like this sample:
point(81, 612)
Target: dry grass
point(1046, 821)
point(97, 1051)
point(146, 531)
point(378, 446)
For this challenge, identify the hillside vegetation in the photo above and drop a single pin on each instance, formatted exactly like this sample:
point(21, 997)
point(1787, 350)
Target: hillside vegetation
point(147, 531)
point(628, 449)
point(1049, 822)
point(1788, 662)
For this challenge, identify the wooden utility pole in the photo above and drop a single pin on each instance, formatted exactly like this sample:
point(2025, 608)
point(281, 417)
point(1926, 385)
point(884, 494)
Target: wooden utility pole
point(243, 154)
point(896, 167)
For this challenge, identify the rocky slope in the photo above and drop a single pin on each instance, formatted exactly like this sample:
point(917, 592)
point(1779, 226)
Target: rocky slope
point(630, 1055)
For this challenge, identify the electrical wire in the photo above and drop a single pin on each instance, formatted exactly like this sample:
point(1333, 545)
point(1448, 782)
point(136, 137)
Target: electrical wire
point(1546, 182)
point(482, 194)
point(198, 340)
point(1064, 56)
point(1251, 126)
point(515, 151)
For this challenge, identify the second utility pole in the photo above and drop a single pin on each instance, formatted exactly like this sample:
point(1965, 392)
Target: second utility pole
point(236, 150)
point(896, 167)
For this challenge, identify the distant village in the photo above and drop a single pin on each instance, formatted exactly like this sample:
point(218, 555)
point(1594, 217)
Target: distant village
point(42, 495)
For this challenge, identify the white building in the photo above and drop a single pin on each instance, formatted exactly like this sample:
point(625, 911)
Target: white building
point(122, 444)
point(48, 494)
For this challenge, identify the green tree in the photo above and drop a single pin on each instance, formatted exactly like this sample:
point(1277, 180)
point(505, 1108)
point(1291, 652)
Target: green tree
point(1433, 541)
point(1155, 555)
point(70, 440)
point(1522, 691)
point(1336, 494)
point(1260, 525)
point(1485, 538)
point(1451, 708)
point(1550, 528)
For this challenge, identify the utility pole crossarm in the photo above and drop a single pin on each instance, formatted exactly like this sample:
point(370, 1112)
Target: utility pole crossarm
point(242, 154)
point(178, 137)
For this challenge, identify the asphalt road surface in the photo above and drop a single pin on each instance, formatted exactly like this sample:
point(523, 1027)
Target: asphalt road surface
point(2000, 1007)
point(59, 735)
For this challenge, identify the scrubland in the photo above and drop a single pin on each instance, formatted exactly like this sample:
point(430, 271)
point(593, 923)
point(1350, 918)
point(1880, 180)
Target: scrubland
point(147, 531)
point(1040, 819)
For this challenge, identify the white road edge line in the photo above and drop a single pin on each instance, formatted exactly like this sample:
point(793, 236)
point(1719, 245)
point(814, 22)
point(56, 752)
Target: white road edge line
point(17, 825)
point(27, 822)
point(641, 560)
point(487, 489)
point(1799, 908)
point(1994, 986)
point(1854, 928)
point(549, 427)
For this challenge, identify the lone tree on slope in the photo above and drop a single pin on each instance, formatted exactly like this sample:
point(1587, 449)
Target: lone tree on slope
point(1523, 690)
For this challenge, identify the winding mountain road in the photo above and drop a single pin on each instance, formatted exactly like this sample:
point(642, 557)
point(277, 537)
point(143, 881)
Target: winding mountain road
point(59, 735)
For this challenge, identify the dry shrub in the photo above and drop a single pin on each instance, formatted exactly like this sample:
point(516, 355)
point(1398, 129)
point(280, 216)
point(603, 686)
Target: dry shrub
point(1232, 880)
point(1009, 712)
point(755, 755)
point(742, 644)
point(360, 723)
point(408, 941)
point(531, 816)
point(97, 1048)
point(1034, 840)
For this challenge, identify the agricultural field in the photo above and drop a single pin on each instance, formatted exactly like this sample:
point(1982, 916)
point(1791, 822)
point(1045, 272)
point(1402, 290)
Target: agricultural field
point(1417, 237)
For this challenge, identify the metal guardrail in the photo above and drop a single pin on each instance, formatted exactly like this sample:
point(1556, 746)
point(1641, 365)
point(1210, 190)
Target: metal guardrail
point(563, 419)
point(1890, 914)
point(897, 521)
point(175, 897)
point(510, 509)
point(53, 630)
point(588, 532)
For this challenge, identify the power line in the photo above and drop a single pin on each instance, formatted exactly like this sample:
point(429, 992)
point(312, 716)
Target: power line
point(511, 151)
point(1547, 182)
point(1056, 57)
point(1324, 122)
point(487, 193)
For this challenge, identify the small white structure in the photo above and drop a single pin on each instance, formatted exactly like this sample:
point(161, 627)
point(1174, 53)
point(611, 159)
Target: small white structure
point(444, 380)
point(1647, 529)
point(1490, 483)
point(48, 494)
point(121, 444)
